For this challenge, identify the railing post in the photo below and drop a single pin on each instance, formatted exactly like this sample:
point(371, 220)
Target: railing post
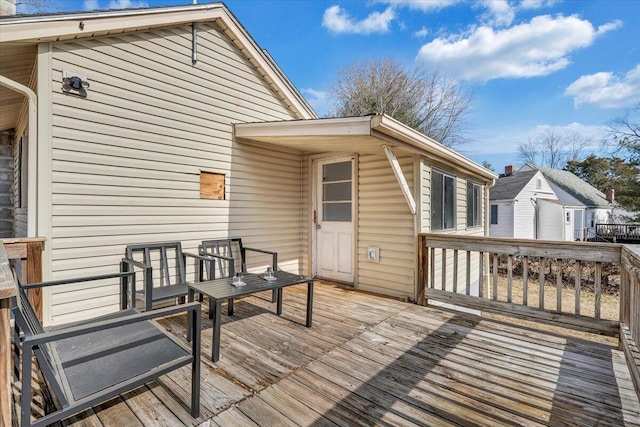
point(7, 291)
point(422, 270)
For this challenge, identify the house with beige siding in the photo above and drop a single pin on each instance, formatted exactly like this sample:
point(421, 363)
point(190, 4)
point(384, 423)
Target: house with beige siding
point(172, 124)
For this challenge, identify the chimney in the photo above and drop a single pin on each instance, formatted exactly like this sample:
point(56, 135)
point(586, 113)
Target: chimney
point(611, 195)
point(509, 169)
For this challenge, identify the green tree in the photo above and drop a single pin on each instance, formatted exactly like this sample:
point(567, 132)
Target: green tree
point(611, 172)
point(429, 102)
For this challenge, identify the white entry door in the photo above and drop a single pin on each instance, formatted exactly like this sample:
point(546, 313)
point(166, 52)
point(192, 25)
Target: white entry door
point(334, 219)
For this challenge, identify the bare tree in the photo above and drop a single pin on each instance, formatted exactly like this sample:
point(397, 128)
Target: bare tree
point(429, 102)
point(528, 152)
point(552, 148)
point(624, 134)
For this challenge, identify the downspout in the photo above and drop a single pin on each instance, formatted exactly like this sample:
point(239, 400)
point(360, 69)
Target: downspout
point(534, 202)
point(487, 224)
point(32, 172)
point(194, 40)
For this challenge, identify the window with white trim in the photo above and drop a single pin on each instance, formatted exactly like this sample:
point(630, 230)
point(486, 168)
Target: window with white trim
point(443, 196)
point(494, 214)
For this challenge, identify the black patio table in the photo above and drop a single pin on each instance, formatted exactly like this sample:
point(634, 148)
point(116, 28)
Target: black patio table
point(220, 290)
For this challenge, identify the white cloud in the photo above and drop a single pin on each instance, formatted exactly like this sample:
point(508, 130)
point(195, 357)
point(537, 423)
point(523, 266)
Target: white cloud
point(536, 4)
point(319, 100)
point(537, 48)
point(126, 4)
point(90, 5)
point(606, 90)
point(422, 5)
point(337, 20)
point(499, 12)
point(421, 33)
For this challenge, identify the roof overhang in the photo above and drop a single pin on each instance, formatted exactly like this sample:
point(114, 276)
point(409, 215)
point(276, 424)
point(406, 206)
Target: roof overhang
point(20, 35)
point(367, 134)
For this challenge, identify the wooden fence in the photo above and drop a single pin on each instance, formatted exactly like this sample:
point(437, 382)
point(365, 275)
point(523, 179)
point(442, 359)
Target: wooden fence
point(630, 310)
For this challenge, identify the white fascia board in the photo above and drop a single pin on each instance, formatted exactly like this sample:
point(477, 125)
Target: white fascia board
point(401, 132)
point(351, 126)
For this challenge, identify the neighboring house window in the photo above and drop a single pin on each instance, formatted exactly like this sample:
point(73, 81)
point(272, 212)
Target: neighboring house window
point(568, 217)
point(474, 204)
point(443, 192)
point(494, 214)
point(538, 183)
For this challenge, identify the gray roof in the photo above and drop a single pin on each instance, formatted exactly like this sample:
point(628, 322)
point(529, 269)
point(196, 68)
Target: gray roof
point(581, 190)
point(508, 187)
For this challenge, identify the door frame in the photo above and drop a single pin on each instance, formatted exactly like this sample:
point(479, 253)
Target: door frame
point(316, 162)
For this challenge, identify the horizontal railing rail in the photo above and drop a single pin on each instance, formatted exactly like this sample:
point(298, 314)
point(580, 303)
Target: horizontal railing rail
point(481, 273)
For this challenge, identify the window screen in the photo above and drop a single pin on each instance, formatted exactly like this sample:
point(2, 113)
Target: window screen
point(337, 187)
point(442, 201)
point(474, 204)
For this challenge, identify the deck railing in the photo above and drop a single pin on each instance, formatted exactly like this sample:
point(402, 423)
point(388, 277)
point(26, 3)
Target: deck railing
point(618, 232)
point(504, 275)
point(480, 272)
point(630, 310)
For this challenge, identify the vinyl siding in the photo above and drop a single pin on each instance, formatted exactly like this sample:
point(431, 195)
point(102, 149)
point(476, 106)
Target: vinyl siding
point(504, 227)
point(523, 209)
point(460, 229)
point(385, 221)
point(126, 160)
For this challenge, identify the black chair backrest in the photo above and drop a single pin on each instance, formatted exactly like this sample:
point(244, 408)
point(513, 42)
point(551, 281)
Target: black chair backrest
point(162, 261)
point(229, 248)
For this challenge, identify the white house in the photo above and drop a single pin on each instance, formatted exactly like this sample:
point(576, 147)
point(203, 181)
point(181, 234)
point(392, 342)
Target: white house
point(514, 202)
point(122, 121)
point(591, 206)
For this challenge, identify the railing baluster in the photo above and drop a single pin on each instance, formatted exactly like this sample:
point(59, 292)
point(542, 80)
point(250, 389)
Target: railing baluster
point(455, 271)
point(542, 268)
point(597, 278)
point(468, 288)
point(559, 285)
point(509, 278)
point(494, 294)
point(578, 269)
point(525, 280)
point(481, 274)
point(432, 269)
point(444, 269)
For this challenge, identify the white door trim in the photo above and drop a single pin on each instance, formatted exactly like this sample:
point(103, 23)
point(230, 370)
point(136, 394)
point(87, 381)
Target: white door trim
point(315, 205)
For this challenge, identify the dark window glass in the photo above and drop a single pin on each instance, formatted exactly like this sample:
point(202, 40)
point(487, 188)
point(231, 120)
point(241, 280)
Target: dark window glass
point(494, 214)
point(474, 204)
point(336, 172)
point(336, 212)
point(443, 194)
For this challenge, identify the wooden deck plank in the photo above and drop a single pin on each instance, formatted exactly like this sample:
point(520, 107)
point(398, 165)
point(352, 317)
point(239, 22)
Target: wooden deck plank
point(371, 360)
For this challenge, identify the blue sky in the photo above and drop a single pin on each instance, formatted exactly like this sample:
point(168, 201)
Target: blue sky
point(573, 64)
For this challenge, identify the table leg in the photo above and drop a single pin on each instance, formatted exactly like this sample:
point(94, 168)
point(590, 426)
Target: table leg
point(217, 320)
point(189, 320)
point(279, 301)
point(309, 302)
point(230, 307)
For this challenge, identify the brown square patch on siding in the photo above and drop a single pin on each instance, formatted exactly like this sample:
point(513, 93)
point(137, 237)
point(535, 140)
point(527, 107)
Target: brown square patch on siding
point(212, 185)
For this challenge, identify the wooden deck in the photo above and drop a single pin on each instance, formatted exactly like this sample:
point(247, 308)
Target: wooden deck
point(369, 360)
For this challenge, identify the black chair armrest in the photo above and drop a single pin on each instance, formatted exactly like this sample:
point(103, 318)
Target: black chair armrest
point(203, 257)
point(77, 280)
point(108, 324)
point(274, 255)
point(135, 263)
point(260, 250)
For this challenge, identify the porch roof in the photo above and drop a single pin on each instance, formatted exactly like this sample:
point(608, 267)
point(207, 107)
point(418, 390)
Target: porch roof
point(366, 134)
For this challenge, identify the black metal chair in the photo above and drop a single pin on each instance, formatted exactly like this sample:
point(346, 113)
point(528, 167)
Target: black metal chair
point(228, 256)
point(91, 362)
point(164, 272)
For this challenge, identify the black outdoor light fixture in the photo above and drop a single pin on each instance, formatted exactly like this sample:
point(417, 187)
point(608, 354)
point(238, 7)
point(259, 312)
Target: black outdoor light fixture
point(75, 85)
